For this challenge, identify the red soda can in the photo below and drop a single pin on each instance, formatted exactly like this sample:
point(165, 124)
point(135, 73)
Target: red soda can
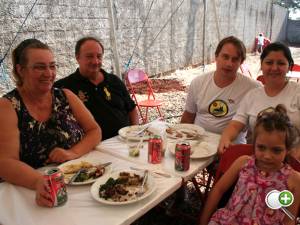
point(155, 149)
point(55, 180)
point(182, 156)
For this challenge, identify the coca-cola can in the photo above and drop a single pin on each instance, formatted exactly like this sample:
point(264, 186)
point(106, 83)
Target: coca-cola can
point(155, 149)
point(55, 180)
point(182, 156)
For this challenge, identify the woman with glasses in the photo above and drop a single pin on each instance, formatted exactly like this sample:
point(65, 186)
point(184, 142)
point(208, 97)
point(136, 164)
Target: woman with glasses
point(276, 61)
point(40, 124)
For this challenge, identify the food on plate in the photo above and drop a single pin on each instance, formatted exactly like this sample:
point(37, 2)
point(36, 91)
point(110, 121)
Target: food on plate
point(74, 168)
point(138, 133)
point(182, 133)
point(87, 171)
point(204, 146)
point(124, 188)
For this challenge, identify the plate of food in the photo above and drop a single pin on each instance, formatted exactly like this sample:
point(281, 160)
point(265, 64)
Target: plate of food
point(86, 171)
point(122, 187)
point(135, 132)
point(199, 149)
point(185, 131)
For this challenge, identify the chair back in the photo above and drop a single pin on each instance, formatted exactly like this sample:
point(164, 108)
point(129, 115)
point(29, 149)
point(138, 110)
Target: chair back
point(293, 162)
point(296, 67)
point(136, 76)
point(261, 79)
point(230, 155)
point(138, 79)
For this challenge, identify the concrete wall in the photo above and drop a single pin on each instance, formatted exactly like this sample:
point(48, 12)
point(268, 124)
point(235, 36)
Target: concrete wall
point(185, 31)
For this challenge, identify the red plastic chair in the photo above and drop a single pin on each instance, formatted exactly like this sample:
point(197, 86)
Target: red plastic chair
point(294, 73)
point(294, 163)
point(135, 76)
point(230, 155)
point(261, 79)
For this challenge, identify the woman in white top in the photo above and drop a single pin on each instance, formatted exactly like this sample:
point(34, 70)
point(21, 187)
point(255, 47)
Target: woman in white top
point(276, 61)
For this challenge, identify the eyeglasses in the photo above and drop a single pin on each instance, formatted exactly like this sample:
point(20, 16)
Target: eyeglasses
point(43, 67)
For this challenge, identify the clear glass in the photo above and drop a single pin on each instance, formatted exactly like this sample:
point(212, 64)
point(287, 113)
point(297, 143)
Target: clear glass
point(134, 147)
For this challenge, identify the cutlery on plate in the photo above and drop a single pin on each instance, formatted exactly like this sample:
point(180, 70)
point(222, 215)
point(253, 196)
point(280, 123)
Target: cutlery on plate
point(141, 190)
point(103, 165)
point(141, 130)
point(158, 173)
point(73, 178)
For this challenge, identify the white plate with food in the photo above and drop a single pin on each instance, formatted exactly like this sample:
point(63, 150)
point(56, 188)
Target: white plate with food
point(90, 170)
point(185, 131)
point(199, 149)
point(122, 187)
point(135, 132)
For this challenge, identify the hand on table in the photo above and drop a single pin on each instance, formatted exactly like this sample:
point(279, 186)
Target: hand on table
point(59, 155)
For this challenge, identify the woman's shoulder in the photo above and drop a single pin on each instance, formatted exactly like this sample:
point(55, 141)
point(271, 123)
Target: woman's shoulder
point(294, 86)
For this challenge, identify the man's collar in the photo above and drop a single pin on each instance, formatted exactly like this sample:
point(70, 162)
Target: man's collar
point(80, 77)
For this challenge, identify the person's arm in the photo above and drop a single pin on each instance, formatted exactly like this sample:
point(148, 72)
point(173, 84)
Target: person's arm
point(225, 182)
point(92, 132)
point(187, 117)
point(293, 186)
point(134, 117)
point(12, 169)
point(229, 134)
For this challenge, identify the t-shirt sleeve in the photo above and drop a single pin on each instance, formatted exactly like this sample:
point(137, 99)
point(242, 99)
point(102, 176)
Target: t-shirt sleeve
point(242, 111)
point(190, 104)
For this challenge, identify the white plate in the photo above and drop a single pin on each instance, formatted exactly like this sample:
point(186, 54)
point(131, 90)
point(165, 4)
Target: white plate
point(200, 149)
point(183, 129)
point(77, 161)
point(102, 180)
point(130, 132)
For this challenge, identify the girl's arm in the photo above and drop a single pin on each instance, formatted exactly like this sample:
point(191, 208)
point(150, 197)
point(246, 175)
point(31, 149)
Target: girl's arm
point(229, 134)
point(225, 182)
point(91, 129)
point(293, 186)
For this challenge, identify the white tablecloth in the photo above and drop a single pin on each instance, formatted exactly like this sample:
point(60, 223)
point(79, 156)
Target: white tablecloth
point(117, 147)
point(18, 207)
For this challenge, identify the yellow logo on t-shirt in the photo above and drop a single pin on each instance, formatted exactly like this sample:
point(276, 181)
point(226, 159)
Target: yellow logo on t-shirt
point(218, 108)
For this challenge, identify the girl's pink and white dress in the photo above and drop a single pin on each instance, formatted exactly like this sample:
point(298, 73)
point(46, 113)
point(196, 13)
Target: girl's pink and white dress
point(247, 204)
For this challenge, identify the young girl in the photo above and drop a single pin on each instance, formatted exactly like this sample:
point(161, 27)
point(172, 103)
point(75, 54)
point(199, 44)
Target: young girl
point(257, 175)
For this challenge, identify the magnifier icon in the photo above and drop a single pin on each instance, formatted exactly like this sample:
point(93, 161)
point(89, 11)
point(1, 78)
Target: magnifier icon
point(272, 201)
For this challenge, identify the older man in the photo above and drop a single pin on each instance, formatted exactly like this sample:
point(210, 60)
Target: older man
point(213, 98)
point(104, 94)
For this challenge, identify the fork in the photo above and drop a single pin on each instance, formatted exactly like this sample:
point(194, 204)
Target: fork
point(76, 175)
point(141, 190)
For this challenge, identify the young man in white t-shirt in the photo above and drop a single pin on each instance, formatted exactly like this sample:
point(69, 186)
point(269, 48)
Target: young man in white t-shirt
point(213, 98)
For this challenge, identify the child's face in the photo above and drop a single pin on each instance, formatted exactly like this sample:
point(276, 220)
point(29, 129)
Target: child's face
point(270, 149)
